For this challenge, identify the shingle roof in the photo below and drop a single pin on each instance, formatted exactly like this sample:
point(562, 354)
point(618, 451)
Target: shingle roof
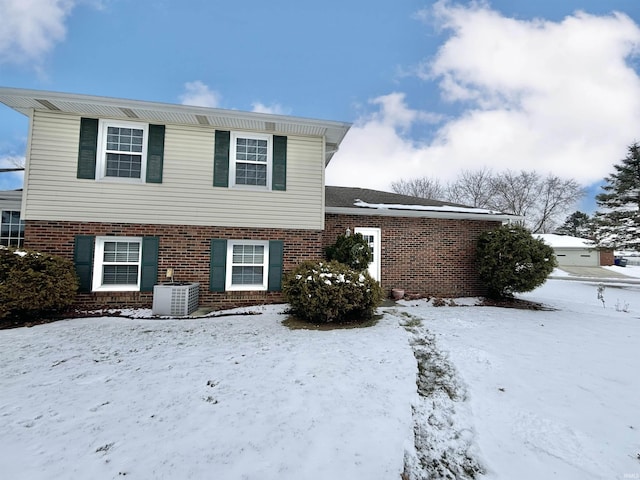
point(348, 196)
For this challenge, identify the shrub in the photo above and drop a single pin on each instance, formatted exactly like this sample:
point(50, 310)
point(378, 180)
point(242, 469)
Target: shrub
point(352, 250)
point(34, 284)
point(510, 260)
point(331, 292)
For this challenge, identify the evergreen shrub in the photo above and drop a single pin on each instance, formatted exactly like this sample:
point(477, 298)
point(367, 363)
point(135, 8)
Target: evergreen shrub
point(323, 292)
point(511, 260)
point(352, 250)
point(34, 284)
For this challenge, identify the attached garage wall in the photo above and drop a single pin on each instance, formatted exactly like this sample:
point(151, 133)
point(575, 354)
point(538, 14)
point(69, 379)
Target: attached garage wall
point(577, 257)
point(423, 256)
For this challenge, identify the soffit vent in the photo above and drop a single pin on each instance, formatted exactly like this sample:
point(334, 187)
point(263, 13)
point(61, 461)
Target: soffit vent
point(129, 113)
point(202, 120)
point(47, 104)
point(270, 126)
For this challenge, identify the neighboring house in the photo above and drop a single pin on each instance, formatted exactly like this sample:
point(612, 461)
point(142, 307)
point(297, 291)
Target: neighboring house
point(577, 252)
point(11, 226)
point(232, 200)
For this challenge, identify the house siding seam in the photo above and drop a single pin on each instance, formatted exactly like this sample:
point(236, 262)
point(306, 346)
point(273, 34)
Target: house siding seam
point(186, 248)
point(423, 256)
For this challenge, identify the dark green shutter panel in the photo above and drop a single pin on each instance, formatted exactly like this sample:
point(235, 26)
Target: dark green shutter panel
point(149, 274)
point(218, 265)
point(221, 159)
point(88, 148)
point(276, 250)
point(83, 260)
point(155, 153)
point(279, 174)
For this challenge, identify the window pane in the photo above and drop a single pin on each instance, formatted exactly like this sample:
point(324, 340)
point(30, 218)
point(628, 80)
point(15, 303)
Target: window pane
point(125, 139)
point(123, 166)
point(251, 174)
point(246, 275)
point(124, 252)
point(120, 275)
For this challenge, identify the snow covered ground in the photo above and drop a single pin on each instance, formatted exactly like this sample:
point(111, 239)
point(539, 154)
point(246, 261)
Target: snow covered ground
point(522, 394)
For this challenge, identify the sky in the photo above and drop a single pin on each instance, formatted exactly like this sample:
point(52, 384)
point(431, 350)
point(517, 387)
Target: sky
point(431, 88)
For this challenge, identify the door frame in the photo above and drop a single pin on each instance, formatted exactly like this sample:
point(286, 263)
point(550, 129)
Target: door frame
point(375, 266)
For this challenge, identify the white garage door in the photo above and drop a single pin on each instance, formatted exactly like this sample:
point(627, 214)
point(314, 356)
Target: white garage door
point(578, 257)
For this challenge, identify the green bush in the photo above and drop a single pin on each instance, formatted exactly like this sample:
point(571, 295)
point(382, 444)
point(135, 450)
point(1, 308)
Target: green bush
point(511, 260)
point(34, 284)
point(325, 292)
point(352, 250)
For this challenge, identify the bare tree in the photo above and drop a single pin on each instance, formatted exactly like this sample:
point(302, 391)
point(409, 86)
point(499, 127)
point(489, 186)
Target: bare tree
point(473, 187)
point(543, 201)
point(423, 187)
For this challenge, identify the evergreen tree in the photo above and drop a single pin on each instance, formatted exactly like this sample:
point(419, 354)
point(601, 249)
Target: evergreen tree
point(618, 216)
point(511, 260)
point(578, 224)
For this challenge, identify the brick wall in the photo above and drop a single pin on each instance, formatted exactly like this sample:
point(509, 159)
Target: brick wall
point(606, 256)
point(185, 248)
point(430, 257)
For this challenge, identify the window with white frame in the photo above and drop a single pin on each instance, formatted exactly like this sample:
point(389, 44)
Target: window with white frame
point(123, 150)
point(117, 263)
point(11, 229)
point(250, 159)
point(247, 265)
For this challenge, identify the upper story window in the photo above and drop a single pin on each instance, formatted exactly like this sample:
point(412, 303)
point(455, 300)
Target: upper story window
point(123, 150)
point(11, 229)
point(250, 159)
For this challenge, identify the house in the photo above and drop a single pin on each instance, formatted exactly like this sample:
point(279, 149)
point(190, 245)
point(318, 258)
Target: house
point(131, 190)
point(577, 252)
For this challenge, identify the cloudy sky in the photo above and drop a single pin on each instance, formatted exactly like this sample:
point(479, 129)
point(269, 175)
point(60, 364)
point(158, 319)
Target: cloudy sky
point(430, 87)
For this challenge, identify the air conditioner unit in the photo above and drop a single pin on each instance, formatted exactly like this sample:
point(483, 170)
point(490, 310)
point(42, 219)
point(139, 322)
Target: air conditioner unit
point(179, 299)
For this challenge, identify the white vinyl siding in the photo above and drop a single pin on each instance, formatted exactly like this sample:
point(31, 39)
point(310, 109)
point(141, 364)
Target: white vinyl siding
point(186, 195)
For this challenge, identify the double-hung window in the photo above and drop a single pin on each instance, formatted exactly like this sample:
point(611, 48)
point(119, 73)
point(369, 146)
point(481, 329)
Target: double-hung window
point(11, 229)
point(123, 151)
point(247, 265)
point(117, 263)
point(250, 159)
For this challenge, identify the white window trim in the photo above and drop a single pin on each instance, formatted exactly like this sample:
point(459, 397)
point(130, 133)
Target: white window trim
point(232, 159)
point(265, 266)
point(98, 256)
point(101, 161)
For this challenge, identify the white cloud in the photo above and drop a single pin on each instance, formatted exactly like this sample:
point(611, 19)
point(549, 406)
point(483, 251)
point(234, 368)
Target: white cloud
point(11, 180)
point(551, 96)
point(30, 28)
point(274, 108)
point(200, 95)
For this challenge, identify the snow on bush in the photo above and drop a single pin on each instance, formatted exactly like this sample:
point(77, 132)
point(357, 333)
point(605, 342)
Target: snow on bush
point(325, 292)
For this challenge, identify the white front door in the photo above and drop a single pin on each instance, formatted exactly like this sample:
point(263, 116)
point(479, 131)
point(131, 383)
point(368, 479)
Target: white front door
point(372, 236)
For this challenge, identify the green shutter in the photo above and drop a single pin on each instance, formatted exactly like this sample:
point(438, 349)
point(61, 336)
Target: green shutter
point(221, 159)
point(276, 251)
point(83, 260)
point(279, 174)
point(149, 274)
point(87, 148)
point(218, 265)
point(155, 153)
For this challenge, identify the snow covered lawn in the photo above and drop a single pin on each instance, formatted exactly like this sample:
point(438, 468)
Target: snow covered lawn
point(524, 394)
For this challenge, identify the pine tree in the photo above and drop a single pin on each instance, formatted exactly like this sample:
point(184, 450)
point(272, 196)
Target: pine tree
point(618, 216)
point(578, 224)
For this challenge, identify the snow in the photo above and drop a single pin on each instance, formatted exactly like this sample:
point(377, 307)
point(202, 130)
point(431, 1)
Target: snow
point(514, 393)
point(564, 241)
point(426, 208)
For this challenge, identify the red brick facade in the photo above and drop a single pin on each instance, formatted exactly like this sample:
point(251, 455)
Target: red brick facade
point(606, 256)
point(423, 256)
point(185, 248)
point(426, 257)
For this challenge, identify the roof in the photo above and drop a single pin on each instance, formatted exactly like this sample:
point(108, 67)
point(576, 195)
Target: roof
point(24, 101)
point(363, 201)
point(565, 241)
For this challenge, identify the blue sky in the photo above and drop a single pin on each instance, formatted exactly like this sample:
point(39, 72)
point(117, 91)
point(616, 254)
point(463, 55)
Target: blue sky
point(431, 87)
